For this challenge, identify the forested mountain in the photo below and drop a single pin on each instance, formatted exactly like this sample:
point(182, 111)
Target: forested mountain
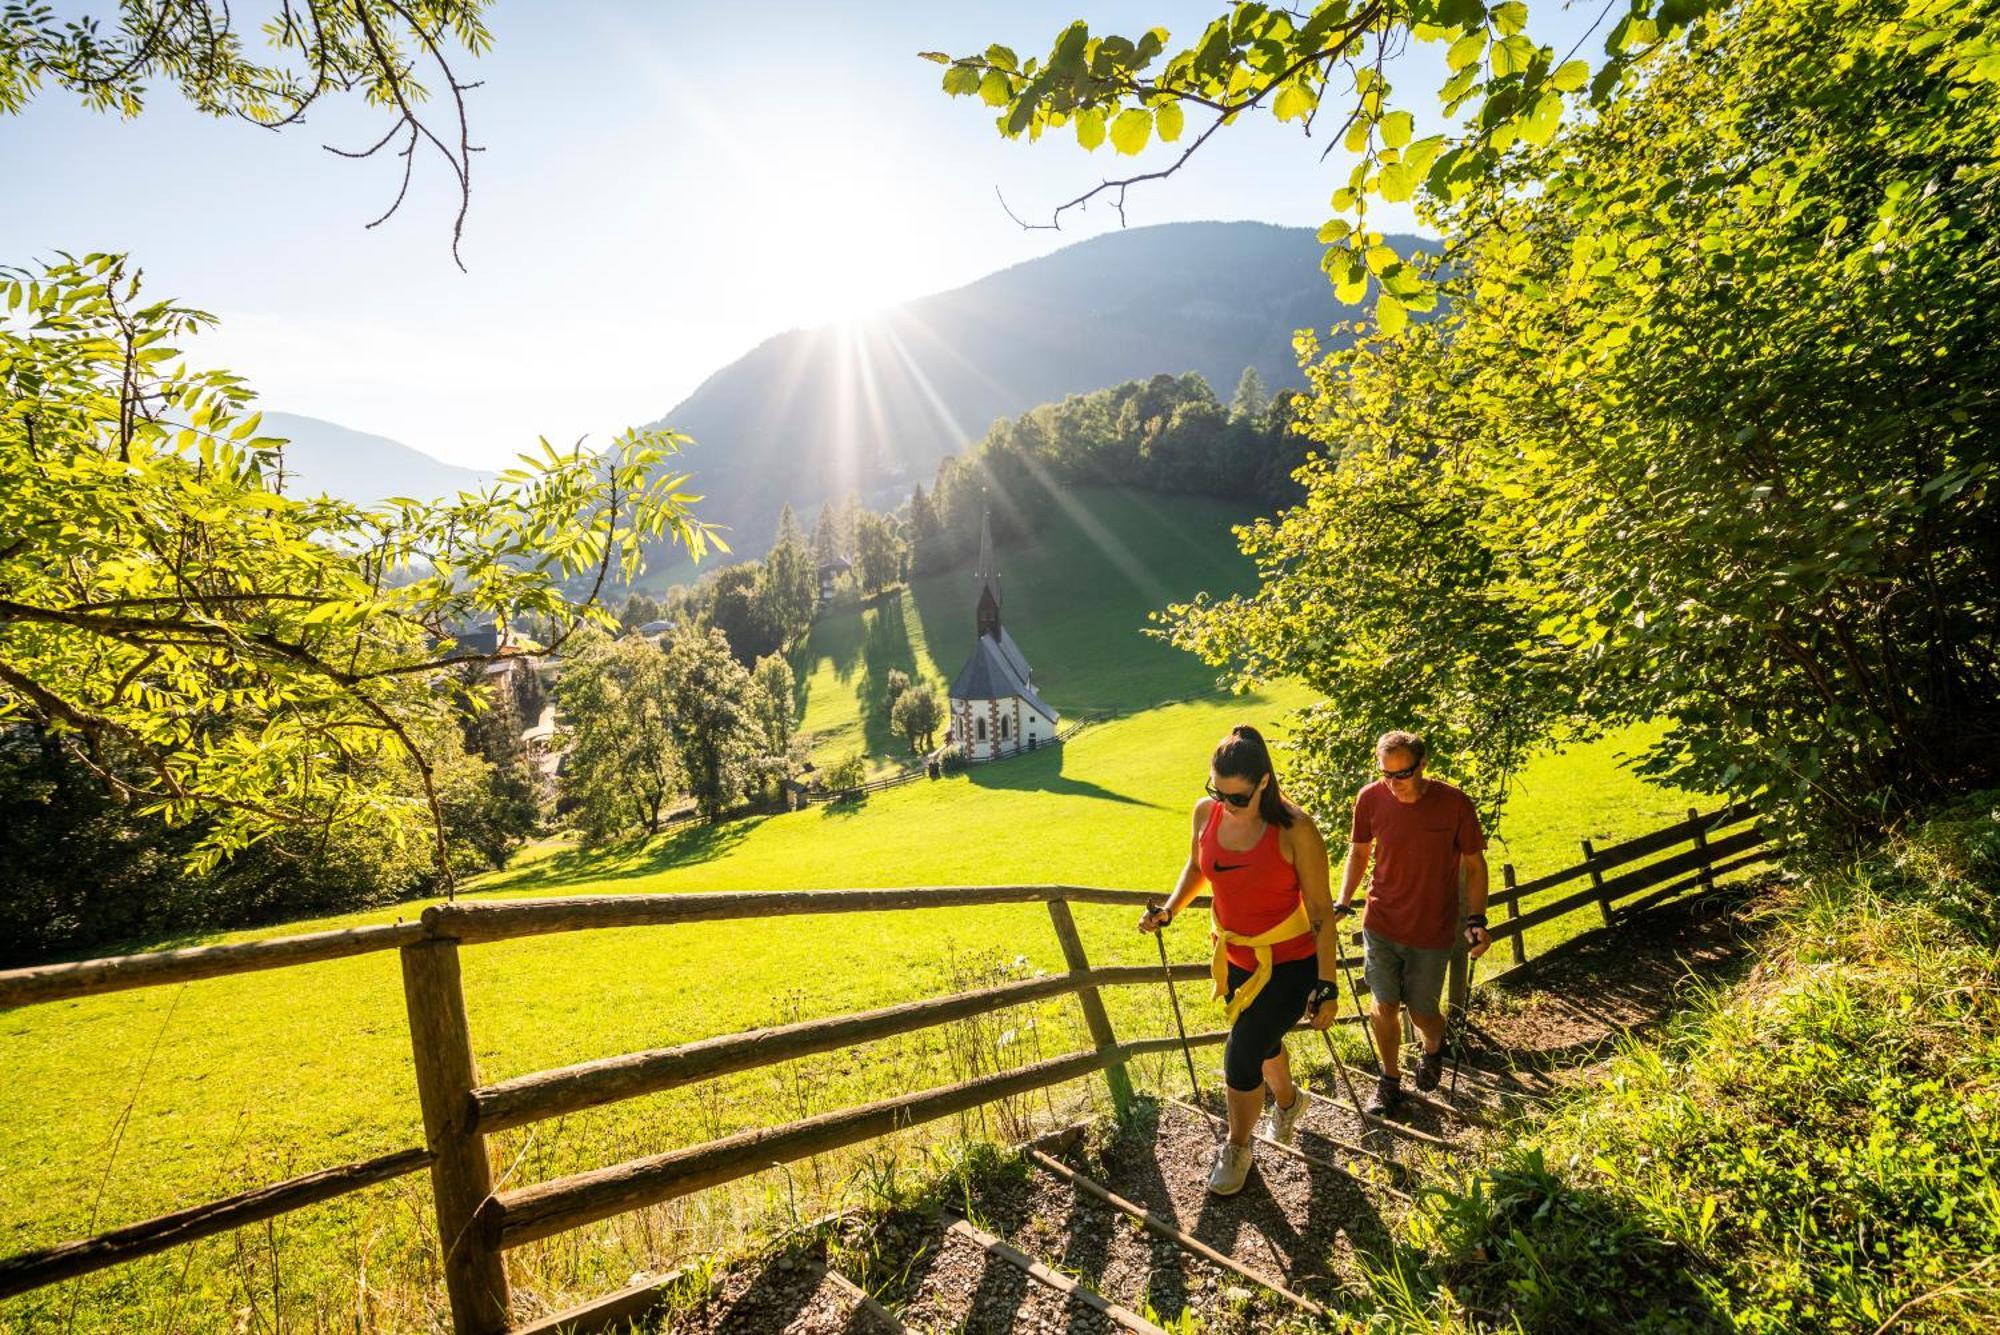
point(871, 406)
point(359, 467)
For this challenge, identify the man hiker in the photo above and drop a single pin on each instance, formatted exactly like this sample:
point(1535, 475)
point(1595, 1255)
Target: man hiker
point(1424, 839)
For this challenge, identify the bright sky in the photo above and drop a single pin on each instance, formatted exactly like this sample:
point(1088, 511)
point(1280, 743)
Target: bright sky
point(663, 187)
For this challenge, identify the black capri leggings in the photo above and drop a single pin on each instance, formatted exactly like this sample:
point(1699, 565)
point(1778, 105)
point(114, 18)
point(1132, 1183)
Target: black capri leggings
point(1259, 1032)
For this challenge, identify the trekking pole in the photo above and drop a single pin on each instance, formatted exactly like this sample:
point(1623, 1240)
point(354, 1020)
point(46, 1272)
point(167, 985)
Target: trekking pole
point(1367, 1019)
point(1464, 1018)
point(1347, 1081)
point(1194, 1082)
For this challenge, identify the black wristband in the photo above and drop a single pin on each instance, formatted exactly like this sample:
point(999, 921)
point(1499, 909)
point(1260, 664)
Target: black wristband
point(1343, 910)
point(1475, 920)
point(1168, 921)
point(1322, 993)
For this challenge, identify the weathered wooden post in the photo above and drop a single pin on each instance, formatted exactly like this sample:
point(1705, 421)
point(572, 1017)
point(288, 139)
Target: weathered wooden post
point(475, 1274)
point(1701, 846)
point(1597, 881)
point(1519, 940)
point(1094, 1015)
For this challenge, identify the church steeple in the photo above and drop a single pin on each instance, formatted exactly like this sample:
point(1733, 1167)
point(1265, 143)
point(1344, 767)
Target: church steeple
point(987, 614)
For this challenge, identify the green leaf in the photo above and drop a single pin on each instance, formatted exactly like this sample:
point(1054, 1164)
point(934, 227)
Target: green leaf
point(1542, 121)
point(1513, 56)
point(1390, 315)
point(1295, 102)
point(1090, 128)
point(1002, 57)
point(1466, 51)
point(1572, 76)
point(961, 80)
point(1131, 130)
point(996, 90)
point(1422, 154)
point(1397, 127)
point(1167, 119)
point(1330, 232)
point(1509, 18)
point(1398, 182)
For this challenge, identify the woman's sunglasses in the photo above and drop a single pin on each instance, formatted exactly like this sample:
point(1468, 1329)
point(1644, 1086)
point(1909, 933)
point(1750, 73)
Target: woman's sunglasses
point(1237, 800)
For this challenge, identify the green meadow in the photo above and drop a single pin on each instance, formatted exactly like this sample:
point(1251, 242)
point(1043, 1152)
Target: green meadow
point(120, 1107)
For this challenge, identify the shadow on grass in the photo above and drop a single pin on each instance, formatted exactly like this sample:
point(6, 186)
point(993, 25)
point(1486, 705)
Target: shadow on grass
point(684, 847)
point(885, 648)
point(1041, 771)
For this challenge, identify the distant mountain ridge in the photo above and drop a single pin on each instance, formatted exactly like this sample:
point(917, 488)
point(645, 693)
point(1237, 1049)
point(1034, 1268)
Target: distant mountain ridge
point(356, 466)
point(870, 406)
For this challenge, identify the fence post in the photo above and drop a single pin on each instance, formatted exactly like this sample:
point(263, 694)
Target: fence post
point(1518, 941)
point(475, 1274)
point(1701, 846)
point(1094, 1015)
point(1597, 881)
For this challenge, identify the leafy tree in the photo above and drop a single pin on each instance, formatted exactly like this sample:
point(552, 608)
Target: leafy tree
point(825, 538)
point(210, 647)
point(878, 552)
point(850, 772)
point(926, 533)
point(917, 714)
point(623, 767)
point(789, 585)
point(745, 618)
point(776, 688)
point(638, 610)
point(1707, 435)
point(714, 719)
point(385, 48)
point(1251, 399)
point(892, 690)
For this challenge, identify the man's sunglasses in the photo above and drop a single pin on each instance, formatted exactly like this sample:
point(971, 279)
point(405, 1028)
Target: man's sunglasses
point(1402, 773)
point(1237, 800)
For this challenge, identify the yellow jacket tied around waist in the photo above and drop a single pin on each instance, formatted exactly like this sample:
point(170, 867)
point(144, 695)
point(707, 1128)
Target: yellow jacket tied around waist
point(1218, 966)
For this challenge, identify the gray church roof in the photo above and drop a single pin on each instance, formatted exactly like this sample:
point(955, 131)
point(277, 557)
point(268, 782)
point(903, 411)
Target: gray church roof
point(989, 675)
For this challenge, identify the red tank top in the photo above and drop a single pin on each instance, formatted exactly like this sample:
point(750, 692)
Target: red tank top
point(1254, 889)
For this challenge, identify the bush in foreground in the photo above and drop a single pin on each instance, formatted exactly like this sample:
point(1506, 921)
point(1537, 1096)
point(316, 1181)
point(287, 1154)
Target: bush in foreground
point(1814, 1149)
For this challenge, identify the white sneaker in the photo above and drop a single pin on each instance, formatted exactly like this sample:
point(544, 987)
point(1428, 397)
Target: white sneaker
point(1232, 1166)
point(1280, 1123)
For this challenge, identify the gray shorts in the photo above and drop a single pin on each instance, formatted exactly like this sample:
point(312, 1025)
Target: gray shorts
point(1404, 975)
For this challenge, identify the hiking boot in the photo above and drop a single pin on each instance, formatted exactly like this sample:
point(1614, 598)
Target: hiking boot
point(1388, 1093)
point(1279, 1123)
point(1232, 1166)
point(1429, 1070)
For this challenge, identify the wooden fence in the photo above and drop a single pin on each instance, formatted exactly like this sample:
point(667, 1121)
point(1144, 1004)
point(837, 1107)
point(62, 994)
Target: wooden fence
point(460, 1111)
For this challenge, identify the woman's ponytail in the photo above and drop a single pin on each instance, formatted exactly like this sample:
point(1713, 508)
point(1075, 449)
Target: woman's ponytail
point(1243, 755)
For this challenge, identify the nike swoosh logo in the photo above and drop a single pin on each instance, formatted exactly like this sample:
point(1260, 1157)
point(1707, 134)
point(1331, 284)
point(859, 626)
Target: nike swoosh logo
point(1224, 866)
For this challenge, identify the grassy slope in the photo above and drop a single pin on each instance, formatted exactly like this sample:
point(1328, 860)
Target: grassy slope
point(1814, 1149)
point(237, 1081)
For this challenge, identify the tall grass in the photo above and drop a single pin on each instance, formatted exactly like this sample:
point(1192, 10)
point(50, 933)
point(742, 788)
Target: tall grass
point(1813, 1149)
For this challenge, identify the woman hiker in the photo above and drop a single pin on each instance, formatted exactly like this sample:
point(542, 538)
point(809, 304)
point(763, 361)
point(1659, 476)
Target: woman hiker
point(1277, 950)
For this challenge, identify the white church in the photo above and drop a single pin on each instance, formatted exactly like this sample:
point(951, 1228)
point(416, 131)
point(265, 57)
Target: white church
point(994, 708)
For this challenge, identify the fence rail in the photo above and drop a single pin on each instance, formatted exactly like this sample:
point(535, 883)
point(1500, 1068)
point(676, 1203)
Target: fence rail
point(460, 1113)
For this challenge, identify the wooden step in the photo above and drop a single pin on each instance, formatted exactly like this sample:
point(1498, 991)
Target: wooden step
point(1124, 1317)
point(1166, 1228)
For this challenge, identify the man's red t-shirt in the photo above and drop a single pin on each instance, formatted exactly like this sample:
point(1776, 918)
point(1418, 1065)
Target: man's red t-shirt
point(1413, 899)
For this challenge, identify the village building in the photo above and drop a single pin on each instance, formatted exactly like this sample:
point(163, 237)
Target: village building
point(994, 708)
